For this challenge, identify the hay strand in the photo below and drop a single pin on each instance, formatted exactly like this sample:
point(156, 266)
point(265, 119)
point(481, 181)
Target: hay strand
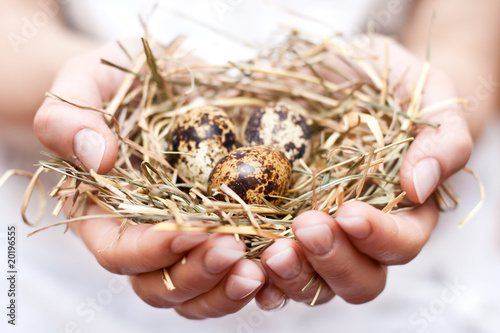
point(361, 134)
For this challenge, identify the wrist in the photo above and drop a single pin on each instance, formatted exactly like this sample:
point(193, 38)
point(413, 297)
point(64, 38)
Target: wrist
point(464, 45)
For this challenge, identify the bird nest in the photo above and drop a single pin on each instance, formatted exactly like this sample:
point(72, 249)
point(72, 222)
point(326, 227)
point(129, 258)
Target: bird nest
point(360, 134)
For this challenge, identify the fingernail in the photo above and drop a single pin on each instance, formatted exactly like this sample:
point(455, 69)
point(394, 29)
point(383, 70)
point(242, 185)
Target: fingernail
point(274, 306)
point(286, 264)
point(238, 287)
point(218, 259)
point(89, 147)
point(426, 175)
point(317, 239)
point(186, 242)
point(356, 226)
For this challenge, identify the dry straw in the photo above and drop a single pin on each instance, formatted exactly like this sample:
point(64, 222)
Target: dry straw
point(361, 134)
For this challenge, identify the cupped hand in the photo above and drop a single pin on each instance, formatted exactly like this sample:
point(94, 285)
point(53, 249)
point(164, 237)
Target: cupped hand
point(207, 271)
point(350, 253)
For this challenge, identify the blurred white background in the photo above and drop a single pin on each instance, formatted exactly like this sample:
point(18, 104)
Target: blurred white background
point(452, 286)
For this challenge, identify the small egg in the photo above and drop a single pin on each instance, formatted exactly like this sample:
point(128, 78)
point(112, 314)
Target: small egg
point(203, 136)
point(281, 127)
point(253, 173)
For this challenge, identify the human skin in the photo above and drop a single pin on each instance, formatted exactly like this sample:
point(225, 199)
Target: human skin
point(349, 253)
point(464, 46)
point(29, 64)
point(360, 240)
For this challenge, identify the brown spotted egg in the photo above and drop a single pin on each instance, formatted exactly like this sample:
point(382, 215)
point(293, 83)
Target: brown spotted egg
point(253, 173)
point(203, 136)
point(281, 127)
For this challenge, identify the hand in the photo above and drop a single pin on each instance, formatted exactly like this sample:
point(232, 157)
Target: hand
point(351, 251)
point(214, 280)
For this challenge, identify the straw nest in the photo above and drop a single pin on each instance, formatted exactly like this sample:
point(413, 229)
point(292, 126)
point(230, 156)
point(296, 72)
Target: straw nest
point(361, 133)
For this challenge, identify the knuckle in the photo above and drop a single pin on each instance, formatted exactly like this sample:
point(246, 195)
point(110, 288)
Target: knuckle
point(203, 308)
point(187, 314)
point(465, 144)
point(368, 294)
point(404, 250)
point(40, 123)
point(154, 299)
point(107, 263)
point(325, 295)
point(406, 257)
point(188, 289)
point(362, 298)
point(410, 247)
point(460, 151)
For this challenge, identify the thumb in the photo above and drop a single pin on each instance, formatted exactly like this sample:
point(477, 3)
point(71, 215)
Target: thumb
point(436, 153)
point(78, 135)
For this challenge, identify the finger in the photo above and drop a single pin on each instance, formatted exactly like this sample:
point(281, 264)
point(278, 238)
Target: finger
point(234, 292)
point(270, 297)
point(349, 273)
point(78, 135)
point(390, 239)
point(205, 266)
point(290, 271)
point(436, 153)
point(140, 248)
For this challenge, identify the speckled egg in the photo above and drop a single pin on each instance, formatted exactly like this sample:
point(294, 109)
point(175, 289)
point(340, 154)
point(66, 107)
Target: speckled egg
point(281, 127)
point(253, 173)
point(203, 135)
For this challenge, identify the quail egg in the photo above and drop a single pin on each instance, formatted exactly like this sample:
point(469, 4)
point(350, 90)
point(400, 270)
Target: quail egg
point(202, 136)
point(254, 173)
point(281, 127)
